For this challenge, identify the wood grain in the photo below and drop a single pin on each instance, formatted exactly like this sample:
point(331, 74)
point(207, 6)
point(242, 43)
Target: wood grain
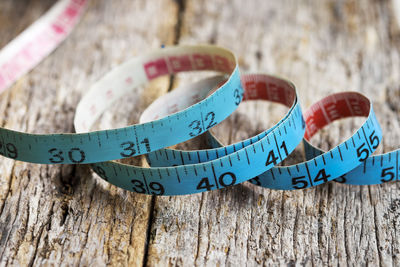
point(323, 47)
point(65, 215)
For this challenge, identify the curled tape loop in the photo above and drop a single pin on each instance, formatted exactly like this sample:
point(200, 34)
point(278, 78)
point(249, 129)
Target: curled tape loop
point(225, 166)
point(99, 146)
point(323, 167)
point(327, 166)
point(340, 159)
point(188, 112)
point(374, 169)
point(158, 133)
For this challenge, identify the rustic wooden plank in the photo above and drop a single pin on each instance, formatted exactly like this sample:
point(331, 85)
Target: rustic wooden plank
point(64, 214)
point(56, 215)
point(323, 47)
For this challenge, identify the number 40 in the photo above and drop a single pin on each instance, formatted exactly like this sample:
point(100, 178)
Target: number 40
point(205, 182)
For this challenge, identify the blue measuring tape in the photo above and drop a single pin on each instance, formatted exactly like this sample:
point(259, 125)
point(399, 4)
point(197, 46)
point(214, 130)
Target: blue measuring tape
point(189, 112)
point(338, 161)
point(98, 146)
point(206, 170)
point(375, 169)
point(323, 167)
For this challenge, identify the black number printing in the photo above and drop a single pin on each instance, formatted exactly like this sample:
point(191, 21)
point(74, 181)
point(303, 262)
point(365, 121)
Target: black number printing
point(237, 96)
point(210, 116)
point(8, 150)
point(75, 155)
point(196, 127)
point(231, 181)
point(128, 148)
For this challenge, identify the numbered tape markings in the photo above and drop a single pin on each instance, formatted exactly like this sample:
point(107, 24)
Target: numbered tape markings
point(198, 170)
point(98, 146)
point(211, 169)
point(374, 169)
point(337, 161)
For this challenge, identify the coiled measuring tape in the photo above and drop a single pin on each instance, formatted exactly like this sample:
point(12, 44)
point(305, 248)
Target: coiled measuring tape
point(42, 37)
point(36, 42)
point(374, 169)
point(98, 146)
point(339, 160)
point(205, 170)
point(323, 167)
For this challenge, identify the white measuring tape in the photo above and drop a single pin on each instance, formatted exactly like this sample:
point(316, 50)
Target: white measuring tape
point(188, 112)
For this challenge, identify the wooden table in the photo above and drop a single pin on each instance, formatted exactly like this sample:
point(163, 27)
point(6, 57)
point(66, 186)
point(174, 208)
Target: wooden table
point(67, 215)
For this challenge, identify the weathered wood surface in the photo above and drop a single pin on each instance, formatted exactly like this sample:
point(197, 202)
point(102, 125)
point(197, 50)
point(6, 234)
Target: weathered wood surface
point(66, 215)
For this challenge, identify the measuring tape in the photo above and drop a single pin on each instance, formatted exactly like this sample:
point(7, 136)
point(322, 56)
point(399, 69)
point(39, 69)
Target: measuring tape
point(322, 166)
point(98, 146)
point(36, 42)
point(205, 170)
point(189, 112)
point(375, 169)
point(339, 160)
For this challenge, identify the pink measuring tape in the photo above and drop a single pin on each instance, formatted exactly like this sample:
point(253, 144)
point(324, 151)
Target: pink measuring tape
point(37, 41)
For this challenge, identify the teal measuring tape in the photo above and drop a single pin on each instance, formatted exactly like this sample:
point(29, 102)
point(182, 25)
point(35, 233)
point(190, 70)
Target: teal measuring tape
point(205, 170)
point(339, 160)
point(99, 146)
point(189, 112)
point(321, 168)
point(375, 169)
